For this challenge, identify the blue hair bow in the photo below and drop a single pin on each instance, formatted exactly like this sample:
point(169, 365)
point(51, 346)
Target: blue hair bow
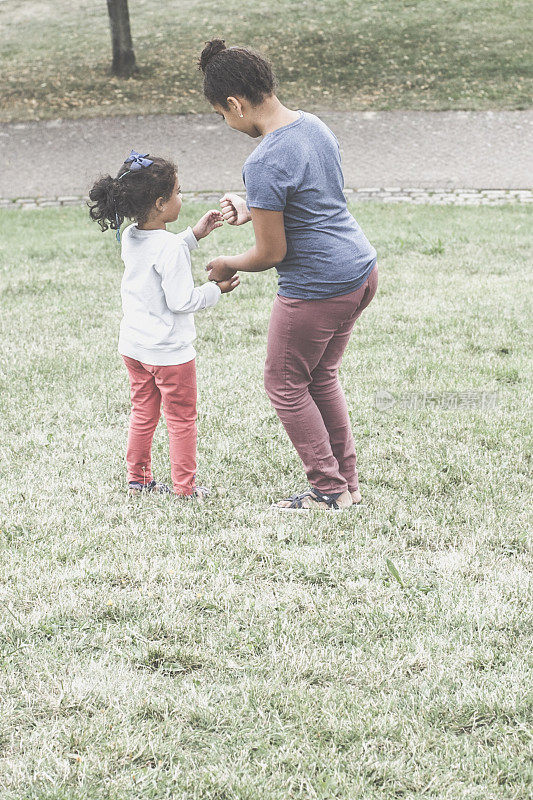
point(137, 161)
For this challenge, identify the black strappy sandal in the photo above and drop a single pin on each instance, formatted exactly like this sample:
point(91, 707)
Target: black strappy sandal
point(296, 502)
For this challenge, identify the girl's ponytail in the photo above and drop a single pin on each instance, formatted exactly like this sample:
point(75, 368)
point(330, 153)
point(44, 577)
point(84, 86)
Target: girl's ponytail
point(132, 194)
point(106, 207)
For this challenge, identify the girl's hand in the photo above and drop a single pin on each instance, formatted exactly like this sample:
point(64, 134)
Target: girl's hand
point(230, 285)
point(219, 271)
point(234, 209)
point(213, 219)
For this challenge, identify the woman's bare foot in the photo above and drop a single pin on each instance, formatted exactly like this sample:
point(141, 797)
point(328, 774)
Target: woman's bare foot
point(356, 496)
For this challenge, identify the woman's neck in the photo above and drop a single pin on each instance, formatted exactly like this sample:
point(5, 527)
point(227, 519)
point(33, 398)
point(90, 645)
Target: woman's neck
point(272, 114)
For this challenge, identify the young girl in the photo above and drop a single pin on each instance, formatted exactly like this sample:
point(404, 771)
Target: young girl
point(158, 301)
point(327, 267)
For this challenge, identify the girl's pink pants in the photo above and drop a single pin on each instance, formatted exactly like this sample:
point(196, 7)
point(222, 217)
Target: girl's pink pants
point(175, 387)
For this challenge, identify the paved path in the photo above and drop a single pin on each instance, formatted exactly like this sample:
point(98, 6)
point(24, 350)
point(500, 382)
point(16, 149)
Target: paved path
point(415, 150)
point(441, 197)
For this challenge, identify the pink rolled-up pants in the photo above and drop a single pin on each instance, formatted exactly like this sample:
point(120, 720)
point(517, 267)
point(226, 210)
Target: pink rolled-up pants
point(306, 342)
point(175, 387)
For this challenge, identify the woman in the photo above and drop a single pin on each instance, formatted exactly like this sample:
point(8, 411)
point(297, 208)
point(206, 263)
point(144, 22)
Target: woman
point(327, 267)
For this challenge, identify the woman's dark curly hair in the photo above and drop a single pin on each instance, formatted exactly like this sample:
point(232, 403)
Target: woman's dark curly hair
point(132, 194)
point(235, 71)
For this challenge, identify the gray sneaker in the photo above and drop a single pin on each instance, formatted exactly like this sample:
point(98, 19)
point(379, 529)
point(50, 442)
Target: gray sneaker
point(136, 487)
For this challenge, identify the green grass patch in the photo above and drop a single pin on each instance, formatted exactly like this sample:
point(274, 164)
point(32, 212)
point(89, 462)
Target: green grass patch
point(340, 54)
point(156, 649)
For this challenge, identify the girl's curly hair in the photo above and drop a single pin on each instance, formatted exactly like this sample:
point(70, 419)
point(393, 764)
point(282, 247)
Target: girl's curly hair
point(132, 194)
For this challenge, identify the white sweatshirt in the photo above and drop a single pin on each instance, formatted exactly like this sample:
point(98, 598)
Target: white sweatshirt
point(159, 297)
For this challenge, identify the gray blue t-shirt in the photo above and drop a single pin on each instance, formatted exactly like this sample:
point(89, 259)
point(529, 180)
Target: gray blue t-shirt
point(297, 169)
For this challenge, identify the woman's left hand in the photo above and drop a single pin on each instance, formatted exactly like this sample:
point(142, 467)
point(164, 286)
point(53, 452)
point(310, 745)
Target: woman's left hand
point(213, 219)
point(219, 270)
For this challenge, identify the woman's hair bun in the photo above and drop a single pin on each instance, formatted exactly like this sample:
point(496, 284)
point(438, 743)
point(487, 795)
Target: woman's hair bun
point(210, 50)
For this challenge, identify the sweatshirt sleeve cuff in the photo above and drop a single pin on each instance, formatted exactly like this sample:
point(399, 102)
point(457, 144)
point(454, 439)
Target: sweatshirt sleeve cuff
point(212, 293)
point(190, 239)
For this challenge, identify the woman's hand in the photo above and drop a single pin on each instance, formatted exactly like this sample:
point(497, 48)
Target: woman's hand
point(213, 219)
point(229, 286)
point(234, 209)
point(219, 270)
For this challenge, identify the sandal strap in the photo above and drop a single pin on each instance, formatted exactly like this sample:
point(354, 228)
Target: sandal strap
point(296, 500)
point(329, 499)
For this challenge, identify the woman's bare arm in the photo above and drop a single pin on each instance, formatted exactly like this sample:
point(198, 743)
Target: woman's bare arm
point(269, 249)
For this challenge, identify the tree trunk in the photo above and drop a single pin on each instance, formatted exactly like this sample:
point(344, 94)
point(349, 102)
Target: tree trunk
point(123, 56)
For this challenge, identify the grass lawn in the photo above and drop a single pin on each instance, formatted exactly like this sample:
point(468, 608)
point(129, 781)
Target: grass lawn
point(339, 54)
point(156, 649)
